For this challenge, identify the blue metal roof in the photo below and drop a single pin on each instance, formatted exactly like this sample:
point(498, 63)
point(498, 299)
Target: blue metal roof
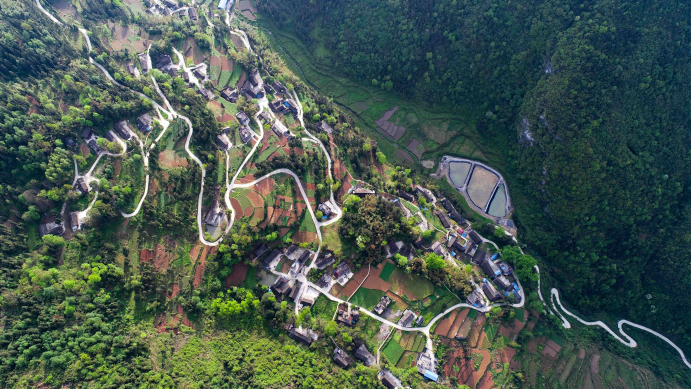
point(494, 256)
point(431, 375)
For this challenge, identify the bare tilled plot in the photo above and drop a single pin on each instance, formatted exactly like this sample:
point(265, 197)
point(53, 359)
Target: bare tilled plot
point(390, 129)
point(481, 185)
point(416, 147)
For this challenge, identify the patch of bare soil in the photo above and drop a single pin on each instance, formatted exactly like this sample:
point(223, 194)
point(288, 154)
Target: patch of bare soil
point(304, 237)
point(146, 256)
point(199, 270)
point(255, 199)
point(162, 258)
point(84, 150)
point(445, 324)
point(194, 252)
point(237, 276)
point(168, 159)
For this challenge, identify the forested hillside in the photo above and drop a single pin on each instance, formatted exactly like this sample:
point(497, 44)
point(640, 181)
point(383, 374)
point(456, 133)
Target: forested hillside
point(593, 96)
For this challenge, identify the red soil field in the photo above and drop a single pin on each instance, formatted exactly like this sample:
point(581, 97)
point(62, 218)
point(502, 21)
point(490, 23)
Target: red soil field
point(194, 252)
point(236, 206)
point(224, 118)
point(162, 259)
point(117, 166)
point(237, 276)
point(255, 199)
point(248, 211)
point(199, 271)
point(176, 290)
point(246, 179)
point(304, 237)
point(146, 256)
point(264, 187)
point(457, 323)
point(445, 324)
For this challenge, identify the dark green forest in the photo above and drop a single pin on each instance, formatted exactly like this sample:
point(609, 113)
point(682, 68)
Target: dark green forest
point(593, 99)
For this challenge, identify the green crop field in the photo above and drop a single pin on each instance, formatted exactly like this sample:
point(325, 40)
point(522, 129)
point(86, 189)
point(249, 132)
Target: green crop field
point(306, 224)
point(416, 287)
point(367, 298)
point(491, 331)
point(386, 271)
point(324, 308)
point(214, 72)
point(393, 351)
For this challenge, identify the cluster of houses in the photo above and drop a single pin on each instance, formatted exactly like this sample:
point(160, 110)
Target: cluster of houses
point(170, 8)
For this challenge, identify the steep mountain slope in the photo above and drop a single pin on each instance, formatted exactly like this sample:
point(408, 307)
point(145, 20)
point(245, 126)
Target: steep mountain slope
point(594, 97)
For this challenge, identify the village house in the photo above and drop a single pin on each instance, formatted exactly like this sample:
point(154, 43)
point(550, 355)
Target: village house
point(230, 94)
point(144, 123)
point(296, 291)
point(447, 205)
point(475, 299)
point(74, 221)
point(260, 250)
point(200, 73)
point(278, 106)
point(382, 305)
point(455, 216)
point(504, 284)
point(80, 186)
point(265, 117)
point(193, 14)
point(364, 355)
point(425, 366)
point(419, 242)
point(342, 273)
point(123, 129)
point(269, 89)
point(307, 301)
point(269, 259)
point(403, 208)
point(341, 358)
point(443, 219)
point(223, 142)
point(277, 129)
point(363, 192)
point(303, 336)
point(324, 127)
point(325, 209)
point(87, 132)
point(278, 87)
point(490, 291)
point(281, 287)
point(171, 4)
point(392, 248)
point(300, 262)
point(475, 237)
point(347, 316)
point(407, 252)
point(389, 380)
point(290, 251)
point(132, 70)
point(50, 228)
point(291, 105)
point(214, 216)
point(110, 135)
point(407, 318)
point(144, 62)
point(326, 260)
point(437, 248)
point(245, 134)
point(69, 142)
point(406, 196)
point(426, 194)
point(490, 268)
point(183, 12)
point(325, 282)
point(164, 62)
point(242, 117)
point(93, 146)
point(505, 268)
point(207, 94)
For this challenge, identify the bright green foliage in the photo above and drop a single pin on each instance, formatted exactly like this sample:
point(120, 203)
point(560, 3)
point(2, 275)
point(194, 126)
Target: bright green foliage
point(434, 261)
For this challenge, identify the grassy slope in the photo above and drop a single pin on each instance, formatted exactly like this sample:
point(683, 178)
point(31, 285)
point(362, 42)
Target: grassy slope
point(442, 130)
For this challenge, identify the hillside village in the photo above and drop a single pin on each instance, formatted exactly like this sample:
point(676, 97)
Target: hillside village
point(232, 190)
